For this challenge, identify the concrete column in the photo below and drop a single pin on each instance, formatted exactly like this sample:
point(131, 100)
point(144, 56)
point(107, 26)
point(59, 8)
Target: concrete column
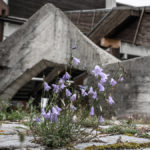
point(110, 4)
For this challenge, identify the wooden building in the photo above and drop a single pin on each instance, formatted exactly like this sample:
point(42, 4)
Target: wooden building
point(126, 27)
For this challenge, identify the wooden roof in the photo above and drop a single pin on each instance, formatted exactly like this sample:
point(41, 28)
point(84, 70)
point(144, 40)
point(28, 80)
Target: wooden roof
point(126, 24)
point(112, 19)
point(26, 8)
point(86, 20)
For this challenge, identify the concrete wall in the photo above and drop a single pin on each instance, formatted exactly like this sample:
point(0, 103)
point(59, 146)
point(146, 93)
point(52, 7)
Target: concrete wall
point(9, 28)
point(133, 95)
point(110, 4)
point(129, 49)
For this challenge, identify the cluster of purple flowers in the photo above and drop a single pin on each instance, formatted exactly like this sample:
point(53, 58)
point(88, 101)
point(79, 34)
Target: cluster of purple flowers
point(62, 84)
point(52, 115)
point(93, 93)
point(98, 72)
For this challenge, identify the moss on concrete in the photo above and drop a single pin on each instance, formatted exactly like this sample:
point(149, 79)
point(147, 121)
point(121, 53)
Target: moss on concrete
point(119, 146)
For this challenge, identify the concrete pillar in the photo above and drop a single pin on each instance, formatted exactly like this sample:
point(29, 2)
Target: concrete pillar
point(110, 4)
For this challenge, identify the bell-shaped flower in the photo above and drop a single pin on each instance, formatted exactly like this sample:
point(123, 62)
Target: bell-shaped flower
point(97, 71)
point(90, 92)
point(61, 81)
point(68, 93)
point(113, 82)
point(76, 60)
point(46, 87)
point(37, 120)
point(58, 109)
point(54, 111)
point(110, 101)
point(94, 95)
point(101, 119)
point(73, 97)
point(104, 77)
point(72, 107)
point(47, 115)
point(53, 117)
point(43, 112)
point(83, 93)
point(55, 88)
point(120, 79)
point(92, 111)
point(101, 87)
point(74, 47)
point(66, 76)
point(62, 86)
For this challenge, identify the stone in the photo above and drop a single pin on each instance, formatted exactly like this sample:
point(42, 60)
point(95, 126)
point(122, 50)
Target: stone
point(112, 140)
point(9, 138)
point(12, 142)
point(12, 128)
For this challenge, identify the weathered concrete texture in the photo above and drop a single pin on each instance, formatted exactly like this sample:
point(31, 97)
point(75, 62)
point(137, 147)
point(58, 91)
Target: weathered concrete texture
point(45, 40)
point(9, 138)
point(131, 49)
point(133, 95)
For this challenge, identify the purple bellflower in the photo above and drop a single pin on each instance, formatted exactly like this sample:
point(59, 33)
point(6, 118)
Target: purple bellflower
point(92, 111)
point(46, 87)
point(61, 81)
point(37, 120)
point(73, 97)
point(91, 91)
point(120, 79)
point(101, 87)
point(94, 95)
point(43, 112)
point(58, 109)
point(110, 101)
point(66, 76)
point(48, 114)
point(62, 86)
point(113, 82)
point(81, 87)
point(72, 107)
point(83, 93)
point(97, 71)
point(74, 47)
point(54, 111)
point(101, 119)
point(68, 93)
point(104, 77)
point(76, 60)
point(53, 117)
point(56, 88)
